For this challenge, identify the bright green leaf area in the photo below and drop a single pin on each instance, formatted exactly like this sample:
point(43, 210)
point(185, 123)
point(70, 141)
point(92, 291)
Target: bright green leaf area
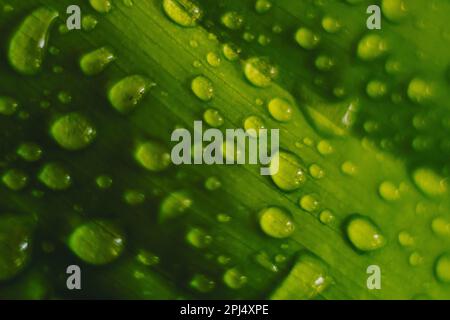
point(384, 152)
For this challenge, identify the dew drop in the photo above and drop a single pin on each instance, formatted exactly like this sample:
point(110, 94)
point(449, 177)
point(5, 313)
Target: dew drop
point(260, 72)
point(280, 109)
point(364, 234)
point(324, 62)
point(104, 182)
point(89, 22)
point(415, 259)
point(276, 222)
point(28, 44)
point(97, 242)
point(8, 106)
point(174, 205)
point(316, 171)
point(147, 258)
point(15, 245)
point(306, 38)
point(232, 20)
point(441, 227)
point(263, 6)
point(389, 191)
point(186, 13)
point(326, 217)
point(153, 156)
point(213, 59)
point(198, 238)
point(96, 61)
point(394, 10)
point(288, 173)
point(349, 168)
point(308, 278)
point(15, 179)
point(29, 151)
point(55, 176)
point(231, 51)
point(419, 91)
point(101, 6)
point(213, 183)
point(234, 279)
point(126, 94)
point(429, 182)
point(442, 268)
point(406, 239)
point(309, 203)
point(203, 88)
point(371, 47)
point(134, 197)
point(73, 131)
point(330, 24)
point(202, 283)
point(324, 147)
point(213, 118)
point(376, 89)
point(253, 125)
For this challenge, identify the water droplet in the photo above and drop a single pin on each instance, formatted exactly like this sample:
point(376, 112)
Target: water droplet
point(324, 147)
point(223, 260)
point(389, 191)
point(349, 168)
point(8, 106)
point(248, 36)
point(147, 258)
point(88, 22)
point(232, 20)
point(280, 109)
point(126, 94)
point(231, 51)
point(213, 59)
point(406, 239)
point(429, 182)
point(394, 10)
point(29, 151)
point(442, 268)
point(174, 205)
point(212, 183)
point(441, 227)
point(28, 44)
point(213, 118)
point(276, 222)
point(316, 171)
point(55, 176)
point(128, 3)
point(104, 182)
point(415, 259)
point(308, 278)
point(234, 278)
point(371, 47)
point(330, 24)
point(203, 88)
point(97, 242)
point(290, 175)
point(326, 217)
point(324, 62)
point(15, 179)
point(254, 123)
point(101, 6)
point(73, 131)
point(64, 97)
point(263, 259)
point(309, 203)
point(202, 283)
point(260, 72)
point(376, 89)
point(96, 61)
point(153, 156)
point(306, 38)
point(15, 245)
point(264, 40)
point(419, 91)
point(364, 234)
point(198, 238)
point(223, 218)
point(134, 197)
point(186, 13)
point(262, 6)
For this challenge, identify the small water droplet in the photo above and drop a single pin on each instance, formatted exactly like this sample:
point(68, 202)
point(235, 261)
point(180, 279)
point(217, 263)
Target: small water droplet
point(213, 183)
point(406, 239)
point(290, 175)
point(134, 197)
point(349, 168)
point(234, 279)
point(280, 109)
point(389, 191)
point(364, 234)
point(306, 38)
point(126, 94)
point(232, 20)
point(263, 6)
point(260, 72)
point(8, 106)
point(29, 151)
point(73, 131)
point(89, 22)
point(394, 10)
point(203, 88)
point(371, 47)
point(231, 51)
point(429, 182)
point(331, 24)
point(104, 182)
point(174, 205)
point(316, 171)
point(153, 156)
point(213, 118)
point(96, 61)
point(55, 176)
point(101, 6)
point(309, 202)
point(198, 238)
point(213, 59)
point(324, 147)
point(442, 268)
point(202, 283)
point(15, 179)
point(326, 217)
point(147, 258)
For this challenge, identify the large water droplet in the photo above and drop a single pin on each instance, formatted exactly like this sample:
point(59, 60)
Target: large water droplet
point(97, 242)
point(15, 245)
point(186, 13)
point(364, 234)
point(55, 176)
point(153, 156)
point(28, 44)
point(126, 94)
point(73, 131)
point(203, 88)
point(276, 222)
point(260, 71)
point(96, 61)
point(290, 175)
point(308, 278)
